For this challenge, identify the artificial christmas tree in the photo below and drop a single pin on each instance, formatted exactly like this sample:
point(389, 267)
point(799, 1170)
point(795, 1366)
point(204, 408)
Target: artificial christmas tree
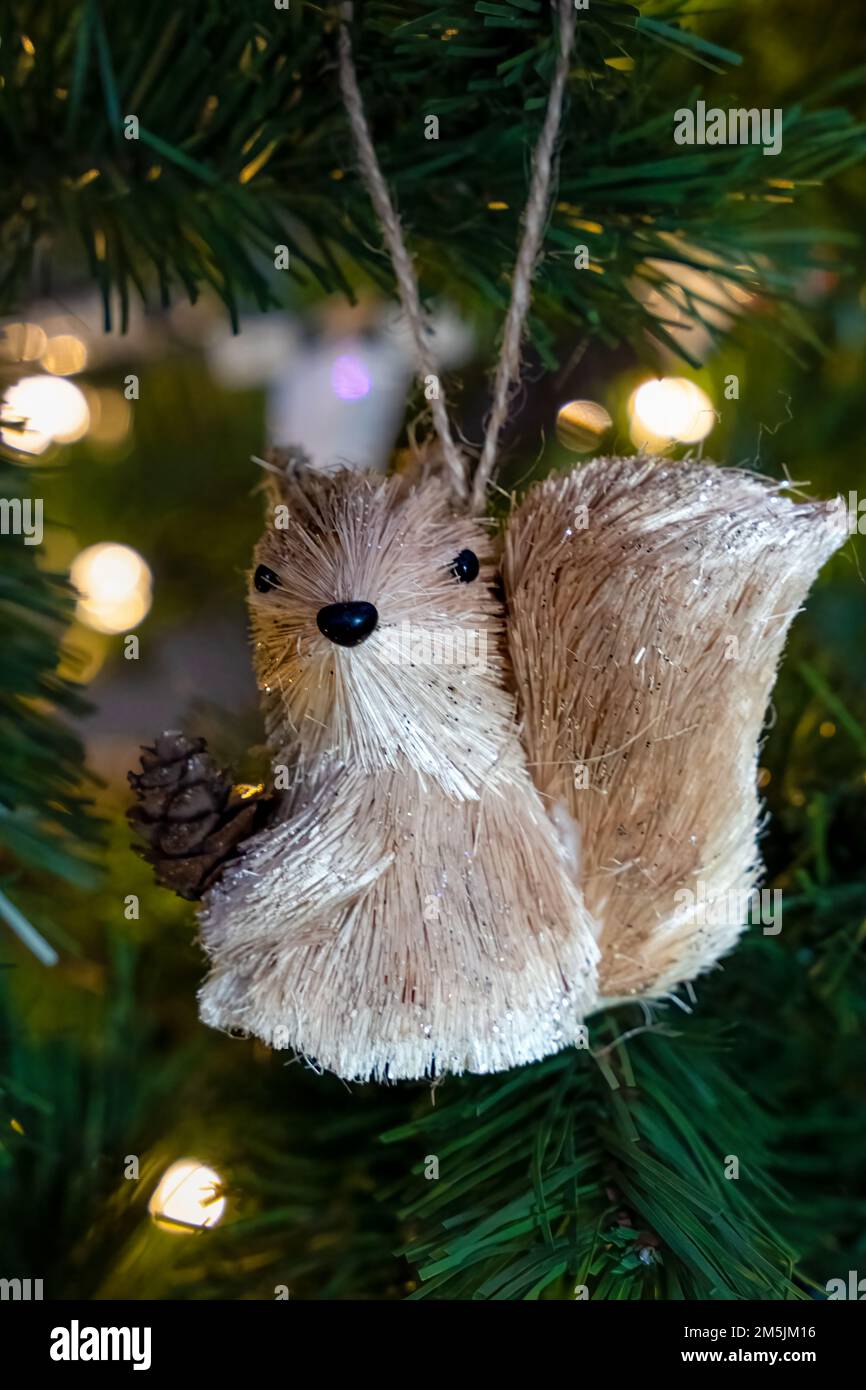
point(605, 1167)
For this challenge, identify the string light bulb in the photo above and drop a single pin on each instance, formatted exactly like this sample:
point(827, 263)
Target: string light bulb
point(114, 584)
point(669, 410)
point(581, 425)
point(110, 418)
point(187, 1198)
point(22, 342)
point(51, 409)
point(63, 355)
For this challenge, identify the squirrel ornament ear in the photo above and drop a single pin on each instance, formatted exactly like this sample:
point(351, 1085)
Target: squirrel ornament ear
point(512, 769)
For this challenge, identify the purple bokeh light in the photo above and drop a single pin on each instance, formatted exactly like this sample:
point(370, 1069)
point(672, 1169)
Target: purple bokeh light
point(350, 378)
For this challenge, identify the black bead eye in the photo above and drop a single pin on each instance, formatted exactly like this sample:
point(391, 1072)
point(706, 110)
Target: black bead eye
point(465, 567)
point(265, 579)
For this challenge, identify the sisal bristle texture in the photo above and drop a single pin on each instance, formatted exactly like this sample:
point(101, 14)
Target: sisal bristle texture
point(410, 913)
point(648, 606)
point(403, 935)
point(352, 537)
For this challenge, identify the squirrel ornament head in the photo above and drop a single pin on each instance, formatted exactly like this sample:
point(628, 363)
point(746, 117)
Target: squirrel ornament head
point(494, 811)
point(377, 635)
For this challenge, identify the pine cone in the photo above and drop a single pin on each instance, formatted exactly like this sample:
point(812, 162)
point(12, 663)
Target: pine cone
point(189, 815)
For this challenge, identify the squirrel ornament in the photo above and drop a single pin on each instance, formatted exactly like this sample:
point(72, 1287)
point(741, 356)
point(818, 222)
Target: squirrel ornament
point(475, 844)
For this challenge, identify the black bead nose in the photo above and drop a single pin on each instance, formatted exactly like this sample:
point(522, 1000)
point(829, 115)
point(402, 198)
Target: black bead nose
point(347, 624)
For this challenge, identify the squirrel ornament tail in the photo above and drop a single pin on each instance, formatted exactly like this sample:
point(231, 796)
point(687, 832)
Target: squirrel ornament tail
point(648, 604)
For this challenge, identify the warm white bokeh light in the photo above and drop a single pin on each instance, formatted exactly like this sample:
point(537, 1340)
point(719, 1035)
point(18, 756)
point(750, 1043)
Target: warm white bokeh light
point(581, 425)
point(110, 418)
point(64, 354)
point(187, 1197)
point(22, 342)
point(115, 587)
point(670, 409)
point(52, 409)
